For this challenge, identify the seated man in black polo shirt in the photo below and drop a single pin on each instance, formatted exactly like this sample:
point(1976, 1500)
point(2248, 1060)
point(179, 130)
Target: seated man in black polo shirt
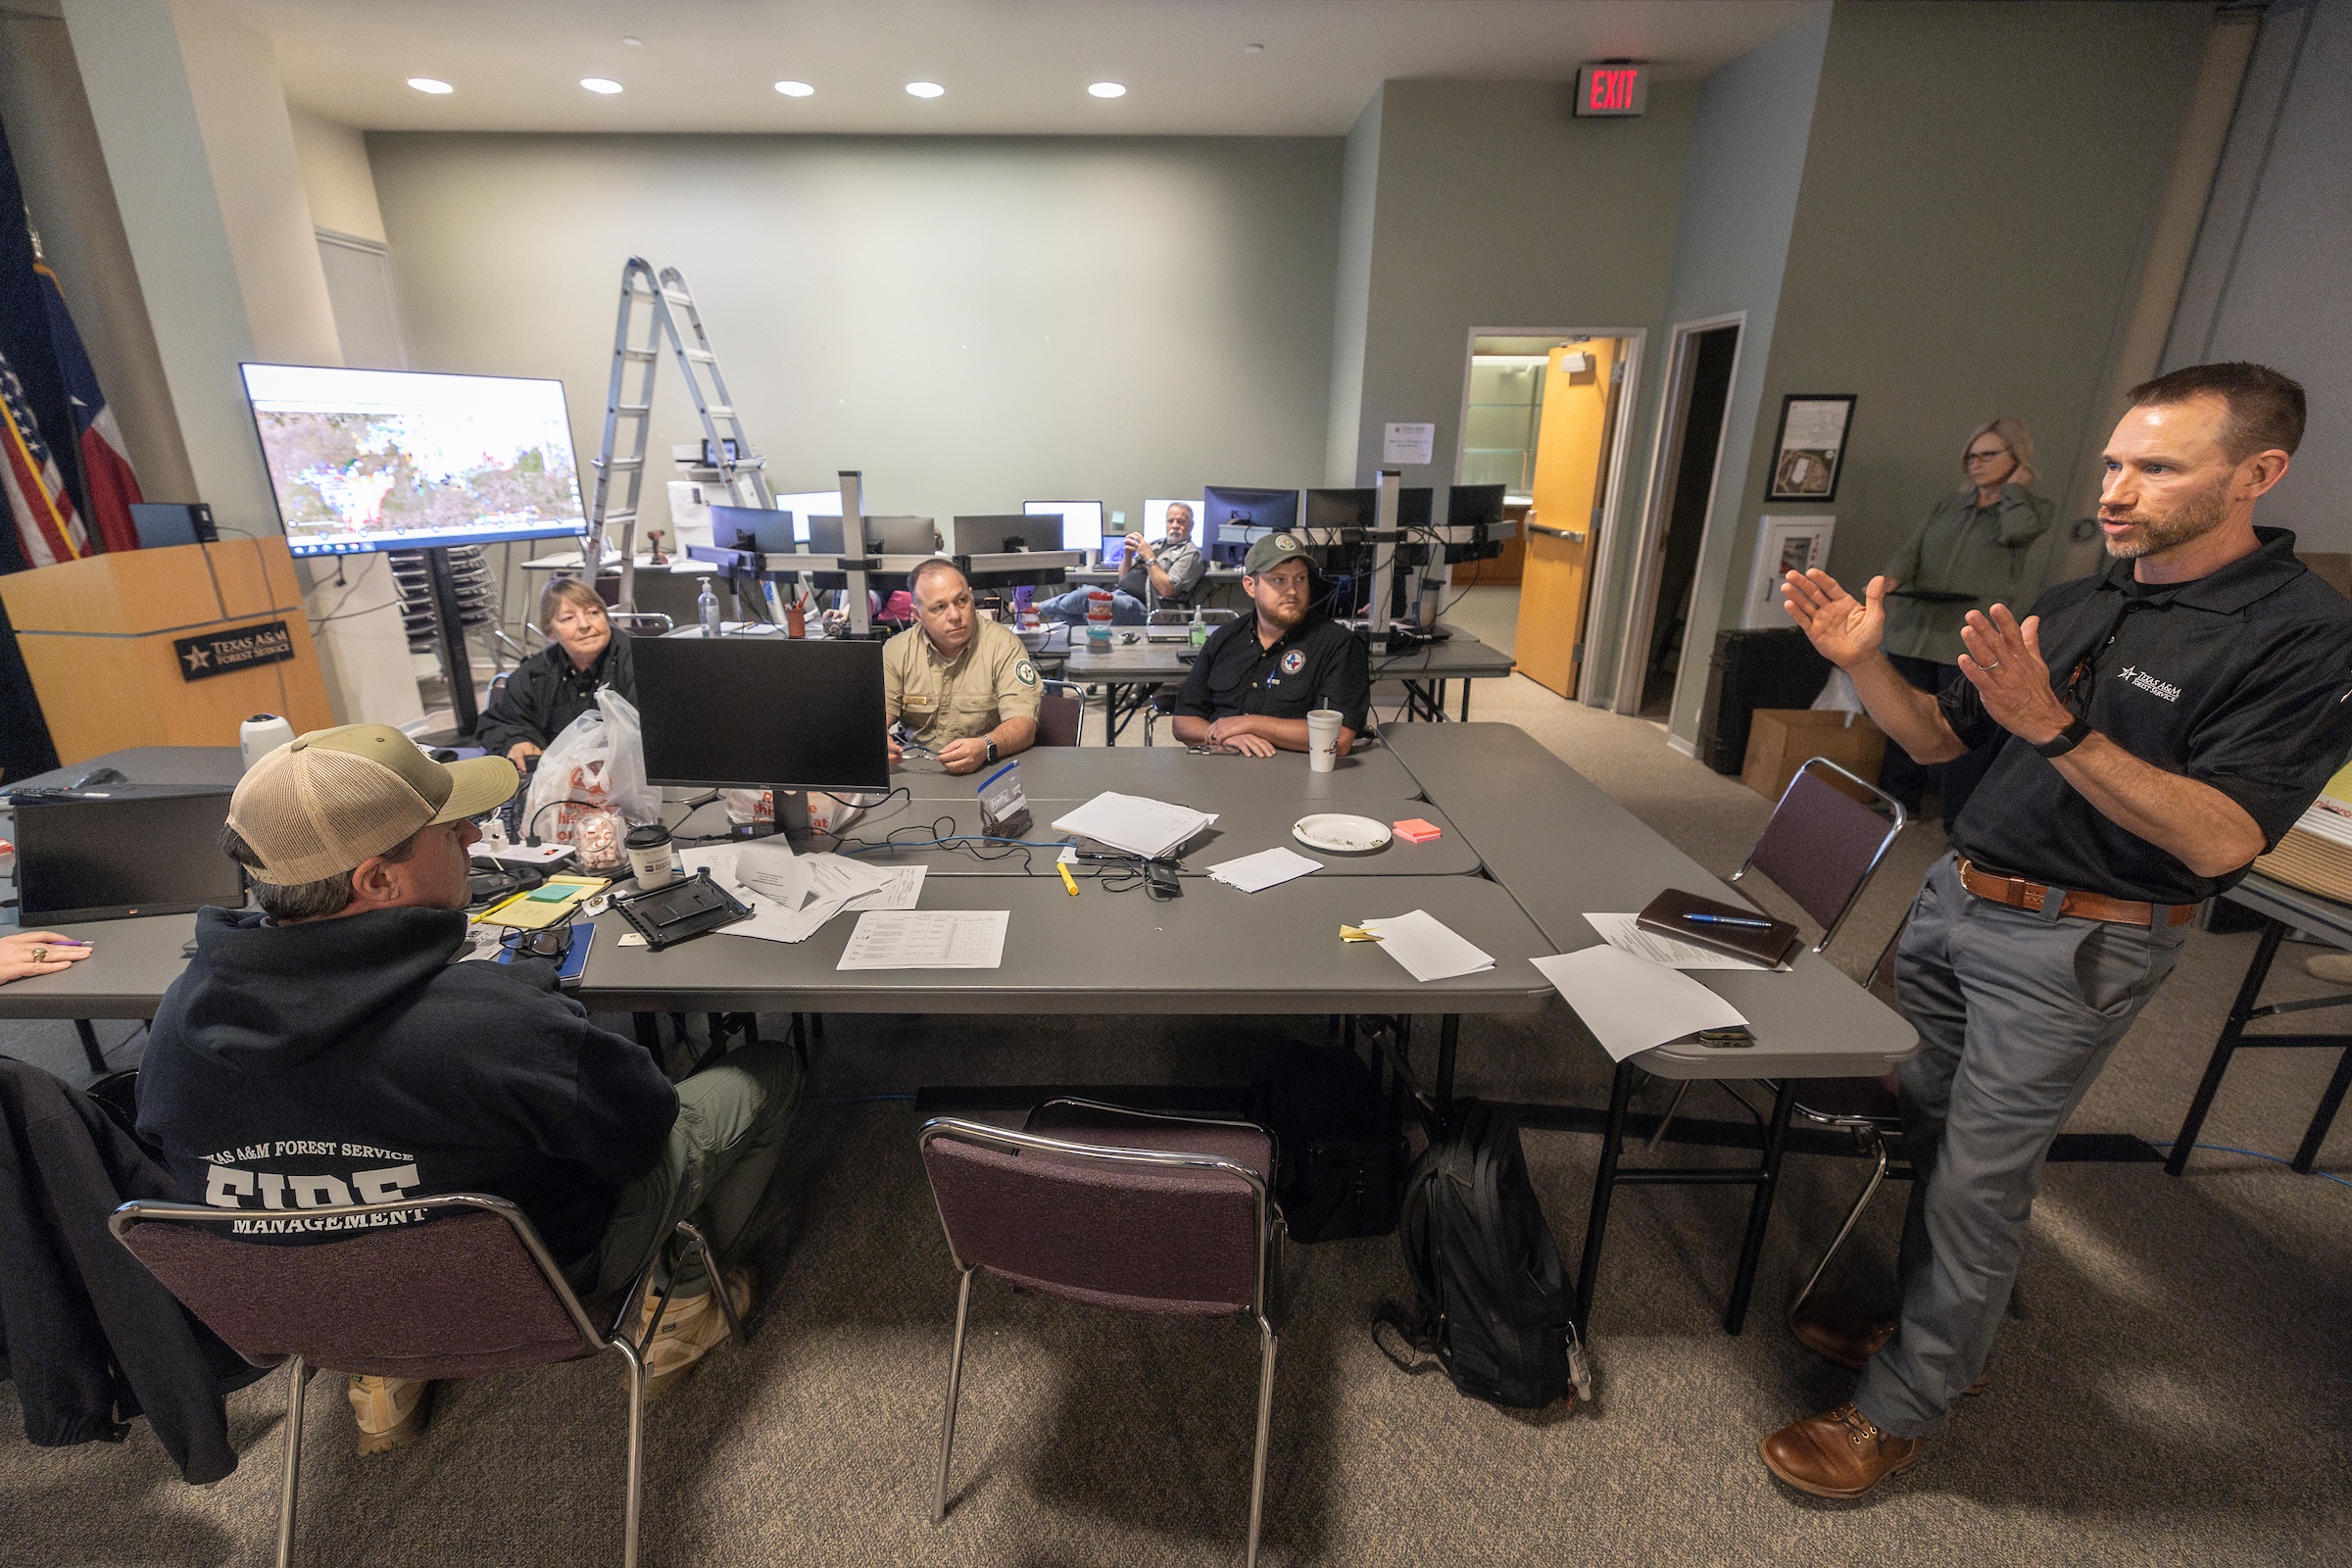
point(1259, 677)
point(325, 1050)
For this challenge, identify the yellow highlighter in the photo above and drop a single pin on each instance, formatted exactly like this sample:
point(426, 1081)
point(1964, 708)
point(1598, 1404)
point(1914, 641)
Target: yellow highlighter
point(1067, 880)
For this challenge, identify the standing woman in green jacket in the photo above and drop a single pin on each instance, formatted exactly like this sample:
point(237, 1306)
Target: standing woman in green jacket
point(1992, 540)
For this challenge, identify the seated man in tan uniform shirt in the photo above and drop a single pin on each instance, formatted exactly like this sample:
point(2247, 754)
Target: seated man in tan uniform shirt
point(961, 686)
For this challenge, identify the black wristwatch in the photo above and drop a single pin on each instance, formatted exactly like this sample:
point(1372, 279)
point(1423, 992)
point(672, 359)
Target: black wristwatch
point(2067, 739)
point(992, 753)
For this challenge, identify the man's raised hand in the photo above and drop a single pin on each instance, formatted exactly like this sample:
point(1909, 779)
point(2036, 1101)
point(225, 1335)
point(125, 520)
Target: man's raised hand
point(1841, 629)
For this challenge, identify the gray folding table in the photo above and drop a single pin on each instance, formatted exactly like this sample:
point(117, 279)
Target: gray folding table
point(1566, 849)
point(1174, 773)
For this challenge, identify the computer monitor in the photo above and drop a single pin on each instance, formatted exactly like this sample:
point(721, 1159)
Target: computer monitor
point(763, 712)
point(401, 459)
point(1469, 504)
point(1342, 508)
point(771, 533)
point(1413, 506)
point(900, 536)
point(1081, 522)
point(806, 504)
point(133, 853)
point(1233, 517)
point(992, 536)
point(826, 537)
point(1155, 517)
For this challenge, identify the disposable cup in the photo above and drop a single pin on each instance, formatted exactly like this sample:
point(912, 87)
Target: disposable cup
point(1323, 738)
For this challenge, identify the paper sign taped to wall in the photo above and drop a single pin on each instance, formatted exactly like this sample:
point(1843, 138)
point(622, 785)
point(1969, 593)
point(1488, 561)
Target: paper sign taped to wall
point(1408, 443)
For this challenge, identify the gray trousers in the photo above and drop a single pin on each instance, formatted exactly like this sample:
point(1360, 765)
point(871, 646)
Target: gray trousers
point(2018, 1013)
point(723, 1150)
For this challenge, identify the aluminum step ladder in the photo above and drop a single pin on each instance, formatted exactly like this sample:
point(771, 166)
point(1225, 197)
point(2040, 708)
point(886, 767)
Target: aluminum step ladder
point(732, 464)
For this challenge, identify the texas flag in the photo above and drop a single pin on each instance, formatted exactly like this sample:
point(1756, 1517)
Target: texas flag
point(47, 529)
point(109, 485)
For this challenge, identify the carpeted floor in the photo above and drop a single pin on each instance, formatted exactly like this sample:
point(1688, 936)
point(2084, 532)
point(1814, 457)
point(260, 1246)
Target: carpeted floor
point(2172, 1391)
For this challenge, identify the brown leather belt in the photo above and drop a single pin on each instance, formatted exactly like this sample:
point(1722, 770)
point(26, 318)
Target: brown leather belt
point(2020, 894)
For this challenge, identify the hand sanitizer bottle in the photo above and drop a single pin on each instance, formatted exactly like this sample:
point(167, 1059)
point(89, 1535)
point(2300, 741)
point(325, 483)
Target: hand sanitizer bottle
point(1199, 628)
point(706, 604)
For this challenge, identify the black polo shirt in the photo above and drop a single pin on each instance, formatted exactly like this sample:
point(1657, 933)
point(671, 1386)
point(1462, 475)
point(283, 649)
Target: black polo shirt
point(1317, 663)
point(2241, 680)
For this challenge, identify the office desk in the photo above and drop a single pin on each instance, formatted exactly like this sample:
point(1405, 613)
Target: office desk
point(1132, 672)
point(1171, 773)
point(1562, 847)
point(1243, 827)
point(1222, 950)
point(2283, 908)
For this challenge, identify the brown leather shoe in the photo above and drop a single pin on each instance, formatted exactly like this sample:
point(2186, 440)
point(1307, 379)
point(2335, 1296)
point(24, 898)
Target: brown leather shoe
point(1838, 1453)
point(1846, 1338)
point(1851, 1340)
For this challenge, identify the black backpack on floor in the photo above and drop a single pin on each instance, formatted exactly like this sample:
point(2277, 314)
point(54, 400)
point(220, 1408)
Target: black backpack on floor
point(1493, 1303)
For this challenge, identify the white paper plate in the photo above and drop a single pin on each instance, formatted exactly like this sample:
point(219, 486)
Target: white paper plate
point(1340, 834)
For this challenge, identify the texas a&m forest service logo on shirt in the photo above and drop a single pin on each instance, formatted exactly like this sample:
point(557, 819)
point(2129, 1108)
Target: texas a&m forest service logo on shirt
point(2149, 683)
point(1294, 662)
point(1025, 672)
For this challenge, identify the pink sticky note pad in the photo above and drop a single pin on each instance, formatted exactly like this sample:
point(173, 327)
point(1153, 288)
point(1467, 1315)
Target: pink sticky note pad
point(1416, 831)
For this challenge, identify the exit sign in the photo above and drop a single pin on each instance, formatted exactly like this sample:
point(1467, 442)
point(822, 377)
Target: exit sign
point(1612, 90)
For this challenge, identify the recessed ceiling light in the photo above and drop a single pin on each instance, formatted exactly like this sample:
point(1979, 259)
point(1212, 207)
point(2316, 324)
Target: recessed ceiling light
point(1108, 89)
point(634, 43)
point(432, 84)
point(603, 84)
point(927, 89)
point(795, 89)
point(1254, 48)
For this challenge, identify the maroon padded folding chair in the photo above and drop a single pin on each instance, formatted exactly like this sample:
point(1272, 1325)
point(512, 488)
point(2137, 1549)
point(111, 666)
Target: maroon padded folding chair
point(1125, 1210)
point(461, 1288)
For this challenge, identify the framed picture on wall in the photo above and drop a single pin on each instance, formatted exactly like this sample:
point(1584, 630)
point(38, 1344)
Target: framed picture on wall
point(1784, 545)
point(1810, 449)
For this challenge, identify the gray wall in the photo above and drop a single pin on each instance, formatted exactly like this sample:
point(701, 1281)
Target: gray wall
point(1979, 185)
point(972, 322)
point(1496, 208)
point(2269, 281)
point(1739, 202)
point(1359, 194)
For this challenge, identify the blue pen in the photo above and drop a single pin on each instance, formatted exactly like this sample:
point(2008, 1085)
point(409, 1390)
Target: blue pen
point(1728, 920)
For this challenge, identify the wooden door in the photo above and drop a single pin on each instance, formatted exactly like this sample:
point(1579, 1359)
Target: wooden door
point(1571, 464)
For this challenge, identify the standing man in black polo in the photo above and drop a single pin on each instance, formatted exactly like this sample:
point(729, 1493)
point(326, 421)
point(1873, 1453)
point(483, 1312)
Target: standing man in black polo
point(1259, 677)
point(2157, 727)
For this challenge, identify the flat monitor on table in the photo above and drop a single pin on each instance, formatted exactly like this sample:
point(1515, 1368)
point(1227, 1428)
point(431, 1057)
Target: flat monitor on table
point(405, 459)
point(825, 537)
point(1236, 517)
point(1342, 508)
point(900, 536)
point(1081, 522)
point(996, 535)
point(771, 533)
point(132, 852)
point(806, 504)
point(763, 712)
point(1468, 506)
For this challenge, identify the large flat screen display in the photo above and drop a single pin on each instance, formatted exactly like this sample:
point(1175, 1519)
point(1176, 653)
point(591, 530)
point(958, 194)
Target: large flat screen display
point(397, 459)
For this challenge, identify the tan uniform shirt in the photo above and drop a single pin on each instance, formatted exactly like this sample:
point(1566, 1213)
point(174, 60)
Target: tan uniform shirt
point(945, 699)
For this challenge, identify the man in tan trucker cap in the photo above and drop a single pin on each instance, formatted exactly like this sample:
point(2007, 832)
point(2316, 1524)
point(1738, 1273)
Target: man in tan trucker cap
point(324, 1049)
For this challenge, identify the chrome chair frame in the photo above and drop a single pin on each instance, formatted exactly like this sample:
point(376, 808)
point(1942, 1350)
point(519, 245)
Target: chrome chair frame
point(1267, 1235)
point(641, 622)
point(1870, 873)
point(140, 1211)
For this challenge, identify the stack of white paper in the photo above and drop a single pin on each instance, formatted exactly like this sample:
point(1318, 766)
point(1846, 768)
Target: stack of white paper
point(1631, 1004)
point(928, 939)
point(832, 884)
point(1427, 948)
point(1624, 933)
point(1135, 823)
point(1255, 873)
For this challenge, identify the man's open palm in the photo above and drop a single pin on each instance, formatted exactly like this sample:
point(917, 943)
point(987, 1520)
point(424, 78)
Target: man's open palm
point(1842, 628)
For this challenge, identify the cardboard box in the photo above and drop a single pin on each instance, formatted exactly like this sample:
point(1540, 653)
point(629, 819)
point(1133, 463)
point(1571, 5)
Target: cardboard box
point(1781, 739)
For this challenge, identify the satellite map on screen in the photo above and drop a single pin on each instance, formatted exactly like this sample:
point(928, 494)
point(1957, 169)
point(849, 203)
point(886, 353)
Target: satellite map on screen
point(391, 459)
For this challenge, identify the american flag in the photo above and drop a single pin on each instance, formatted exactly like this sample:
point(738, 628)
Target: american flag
point(47, 528)
point(109, 486)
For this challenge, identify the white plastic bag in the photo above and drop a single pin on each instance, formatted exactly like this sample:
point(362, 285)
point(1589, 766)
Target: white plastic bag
point(1839, 696)
point(598, 763)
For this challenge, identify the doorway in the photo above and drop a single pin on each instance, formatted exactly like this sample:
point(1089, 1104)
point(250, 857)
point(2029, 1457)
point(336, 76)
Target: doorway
point(1706, 356)
point(1574, 424)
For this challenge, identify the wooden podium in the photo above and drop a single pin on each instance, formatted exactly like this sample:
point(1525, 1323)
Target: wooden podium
point(170, 647)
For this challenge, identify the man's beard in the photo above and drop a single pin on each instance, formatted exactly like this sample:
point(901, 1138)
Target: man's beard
point(2196, 517)
point(1284, 614)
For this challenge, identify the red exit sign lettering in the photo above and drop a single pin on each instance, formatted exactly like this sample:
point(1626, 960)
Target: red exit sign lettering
point(1612, 90)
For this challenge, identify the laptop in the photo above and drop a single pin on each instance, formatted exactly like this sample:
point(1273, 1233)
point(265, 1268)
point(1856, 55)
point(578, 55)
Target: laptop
point(127, 853)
